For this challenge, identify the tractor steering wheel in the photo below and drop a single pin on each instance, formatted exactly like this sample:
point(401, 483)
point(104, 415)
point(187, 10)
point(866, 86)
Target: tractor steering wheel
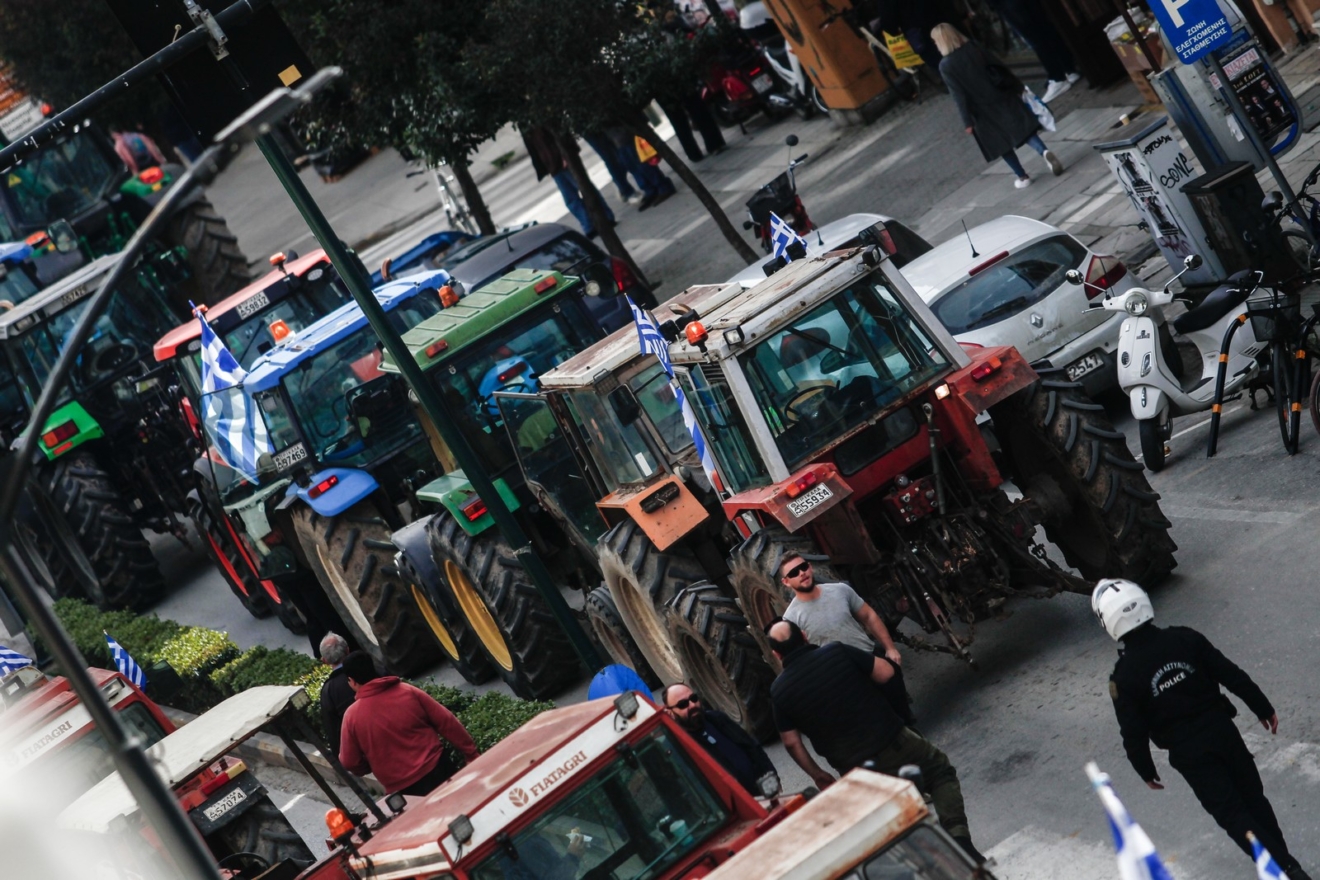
point(795, 410)
point(108, 360)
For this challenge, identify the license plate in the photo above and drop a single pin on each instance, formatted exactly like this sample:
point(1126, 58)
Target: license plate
point(225, 804)
point(287, 458)
point(253, 304)
point(1083, 365)
point(814, 498)
point(763, 83)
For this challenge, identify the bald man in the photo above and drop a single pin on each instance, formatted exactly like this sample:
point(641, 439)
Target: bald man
point(832, 694)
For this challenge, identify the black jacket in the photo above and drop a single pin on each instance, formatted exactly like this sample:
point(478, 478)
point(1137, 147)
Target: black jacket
point(1165, 683)
point(725, 726)
point(336, 696)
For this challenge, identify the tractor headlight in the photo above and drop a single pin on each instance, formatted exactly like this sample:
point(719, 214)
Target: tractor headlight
point(1136, 304)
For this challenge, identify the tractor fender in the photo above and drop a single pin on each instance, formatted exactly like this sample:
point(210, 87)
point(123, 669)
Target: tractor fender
point(347, 487)
point(75, 426)
point(414, 546)
point(455, 494)
point(994, 375)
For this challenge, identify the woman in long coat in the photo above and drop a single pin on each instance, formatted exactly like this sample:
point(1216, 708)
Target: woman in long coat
point(989, 99)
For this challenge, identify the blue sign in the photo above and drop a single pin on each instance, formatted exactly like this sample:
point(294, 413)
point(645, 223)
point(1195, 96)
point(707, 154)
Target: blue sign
point(1192, 27)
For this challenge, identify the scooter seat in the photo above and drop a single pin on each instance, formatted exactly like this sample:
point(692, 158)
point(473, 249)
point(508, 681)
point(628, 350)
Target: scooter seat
point(1218, 303)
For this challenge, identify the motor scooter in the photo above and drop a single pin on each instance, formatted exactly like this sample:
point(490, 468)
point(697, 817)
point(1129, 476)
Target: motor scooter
point(779, 197)
point(777, 52)
point(739, 83)
point(1159, 381)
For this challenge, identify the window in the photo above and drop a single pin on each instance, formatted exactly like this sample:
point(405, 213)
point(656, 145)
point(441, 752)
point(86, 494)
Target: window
point(736, 458)
point(922, 855)
point(611, 428)
point(567, 255)
point(633, 820)
point(1016, 282)
point(653, 392)
point(312, 300)
point(60, 181)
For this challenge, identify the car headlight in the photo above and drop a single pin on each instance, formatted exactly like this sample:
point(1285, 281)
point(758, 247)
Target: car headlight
point(1136, 304)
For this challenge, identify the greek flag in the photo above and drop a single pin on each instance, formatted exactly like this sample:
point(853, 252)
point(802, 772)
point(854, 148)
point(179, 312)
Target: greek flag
point(648, 335)
point(237, 428)
point(1266, 867)
point(1137, 858)
point(781, 236)
point(124, 663)
point(11, 660)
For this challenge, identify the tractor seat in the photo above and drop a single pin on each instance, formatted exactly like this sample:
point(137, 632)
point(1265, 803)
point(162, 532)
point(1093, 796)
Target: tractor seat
point(1218, 302)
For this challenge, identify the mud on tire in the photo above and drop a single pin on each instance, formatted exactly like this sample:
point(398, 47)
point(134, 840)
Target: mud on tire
point(642, 581)
point(611, 634)
point(722, 661)
point(754, 574)
point(353, 558)
point(518, 633)
point(218, 266)
point(264, 831)
point(127, 572)
point(454, 638)
point(1097, 506)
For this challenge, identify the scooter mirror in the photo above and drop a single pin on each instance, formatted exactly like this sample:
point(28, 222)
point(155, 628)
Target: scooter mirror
point(1193, 262)
point(1273, 202)
point(1074, 277)
point(791, 140)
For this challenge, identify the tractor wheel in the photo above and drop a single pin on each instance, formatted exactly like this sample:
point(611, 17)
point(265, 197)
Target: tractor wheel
point(230, 561)
point(642, 580)
point(1096, 504)
point(264, 831)
point(722, 661)
point(127, 574)
point(612, 635)
point(455, 638)
point(754, 573)
point(51, 541)
point(517, 632)
point(217, 264)
point(353, 558)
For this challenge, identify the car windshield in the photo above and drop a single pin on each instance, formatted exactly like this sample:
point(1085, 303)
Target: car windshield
point(838, 366)
point(633, 820)
point(60, 181)
point(1007, 287)
point(509, 360)
point(921, 855)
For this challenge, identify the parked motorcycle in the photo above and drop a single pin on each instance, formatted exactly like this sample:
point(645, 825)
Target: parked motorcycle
point(1152, 371)
point(779, 197)
point(740, 83)
point(776, 51)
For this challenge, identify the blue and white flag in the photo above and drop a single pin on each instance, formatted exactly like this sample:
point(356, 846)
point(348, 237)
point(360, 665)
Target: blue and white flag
point(782, 236)
point(237, 428)
point(124, 663)
point(648, 335)
point(11, 660)
point(1137, 858)
point(1266, 867)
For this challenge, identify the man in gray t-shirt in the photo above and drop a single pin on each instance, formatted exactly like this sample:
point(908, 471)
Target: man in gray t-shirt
point(833, 612)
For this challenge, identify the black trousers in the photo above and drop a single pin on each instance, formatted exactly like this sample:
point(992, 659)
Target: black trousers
point(1222, 773)
point(445, 766)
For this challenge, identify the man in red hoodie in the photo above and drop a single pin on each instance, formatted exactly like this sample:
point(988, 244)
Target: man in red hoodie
point(394, 730)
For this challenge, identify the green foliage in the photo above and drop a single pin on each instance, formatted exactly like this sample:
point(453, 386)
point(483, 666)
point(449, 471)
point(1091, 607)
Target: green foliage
point(260, 665)
point(491, 717)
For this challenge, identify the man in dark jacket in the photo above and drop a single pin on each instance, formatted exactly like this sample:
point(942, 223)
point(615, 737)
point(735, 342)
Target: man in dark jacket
point(1165, 688)
point(720, 736)
point(336, 693)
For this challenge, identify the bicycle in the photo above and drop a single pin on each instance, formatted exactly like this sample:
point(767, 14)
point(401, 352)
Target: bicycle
point(456, 212)
point(1276, 319)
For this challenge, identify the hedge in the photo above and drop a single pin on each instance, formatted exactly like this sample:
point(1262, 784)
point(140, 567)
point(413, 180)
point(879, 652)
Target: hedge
point(211, 668)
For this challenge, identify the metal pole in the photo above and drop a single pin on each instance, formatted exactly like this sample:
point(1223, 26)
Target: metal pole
point(357, 280)
point(1235, 103)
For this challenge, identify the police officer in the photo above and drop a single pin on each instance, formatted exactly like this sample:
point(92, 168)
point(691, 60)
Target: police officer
point(1165, 688)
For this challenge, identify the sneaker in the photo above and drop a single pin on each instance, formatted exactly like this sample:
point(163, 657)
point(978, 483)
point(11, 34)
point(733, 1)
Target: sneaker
point(1055, 164)
point(1054, 88)
point(1022, 182)
point(661, 196)
point(1073, 78)
point(635, 198)
point(646, 202)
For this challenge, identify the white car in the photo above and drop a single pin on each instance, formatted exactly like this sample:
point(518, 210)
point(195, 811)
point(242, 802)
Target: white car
point(843, 233)
point(1003, 284)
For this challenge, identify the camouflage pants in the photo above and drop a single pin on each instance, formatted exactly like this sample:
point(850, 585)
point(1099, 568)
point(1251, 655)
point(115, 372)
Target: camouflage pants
point(939, 778)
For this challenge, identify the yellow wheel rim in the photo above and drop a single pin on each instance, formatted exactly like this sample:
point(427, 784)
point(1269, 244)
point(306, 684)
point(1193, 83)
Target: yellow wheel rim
point(438, 628)
point(478, 616)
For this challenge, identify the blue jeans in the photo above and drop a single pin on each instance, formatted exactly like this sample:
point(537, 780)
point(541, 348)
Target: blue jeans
point(573, 201)
point(1012, 160)
point(612, 156)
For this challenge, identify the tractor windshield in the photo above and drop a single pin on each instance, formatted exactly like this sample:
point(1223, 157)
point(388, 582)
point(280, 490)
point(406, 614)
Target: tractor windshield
point(922, 855)
point(633, 820)
point(838, 366)
point(15, 285)
point(611, 427)
point(509, 360)
point(722, 424)
point(59, 182)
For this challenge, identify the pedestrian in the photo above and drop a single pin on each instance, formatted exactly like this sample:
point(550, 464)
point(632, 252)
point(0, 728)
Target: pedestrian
point(1301, 14)
point(395, 730)
point(1028, 18)
point(336, 693)
point(137, 151)
point(829, 695)
point(548, 161)
point(833, 612)
point(1165, 688)
point(989, 99)
point(619, 153)
point(731, 746)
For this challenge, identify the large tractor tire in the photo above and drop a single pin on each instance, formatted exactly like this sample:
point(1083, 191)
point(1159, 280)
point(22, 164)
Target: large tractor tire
point(455, 638)
point(127, 573)
point(612, 635)
point(1096, 505)
point(754, 573)
point(353, 558)
point(517, 631)
point(722, 661)
point(49, 541)
point(642, 580)
point(230, 560)
point(265, 832)
point(218, 266)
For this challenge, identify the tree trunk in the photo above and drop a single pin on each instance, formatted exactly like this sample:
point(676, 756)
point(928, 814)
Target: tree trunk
point(476, 205)
point(595, 204)
point(639, 126)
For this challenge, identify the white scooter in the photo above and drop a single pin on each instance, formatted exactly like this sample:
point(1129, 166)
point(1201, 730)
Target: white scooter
point(1151, 369)
point(755, 21)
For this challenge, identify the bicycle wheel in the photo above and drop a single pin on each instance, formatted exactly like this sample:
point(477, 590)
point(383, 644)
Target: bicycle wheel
point(1303, 252)
point(1286, 400)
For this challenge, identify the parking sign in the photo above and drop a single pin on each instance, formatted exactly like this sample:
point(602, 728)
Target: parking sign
point(1193, 27)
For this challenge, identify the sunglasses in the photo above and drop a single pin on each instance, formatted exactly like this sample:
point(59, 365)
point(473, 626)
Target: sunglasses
point(685, 702)
point(797, 570)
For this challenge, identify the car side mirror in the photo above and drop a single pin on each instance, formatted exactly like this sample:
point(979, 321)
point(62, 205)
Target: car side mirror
point(1074, 277)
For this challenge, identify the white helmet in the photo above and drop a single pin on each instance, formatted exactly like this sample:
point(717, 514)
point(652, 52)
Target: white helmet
point(753, 15)
point(1121, 606)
